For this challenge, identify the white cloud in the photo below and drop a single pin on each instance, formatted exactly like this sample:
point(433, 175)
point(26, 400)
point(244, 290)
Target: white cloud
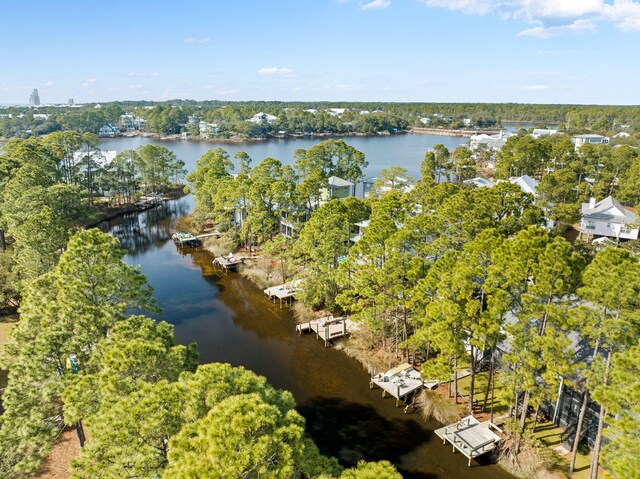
point(376, 4)
point(275, 71)
point(49, 83)
point(88, 83)
point(228, 92)
point(197, 40)
point(579, 26)
point(144, 74)
point(553, 17)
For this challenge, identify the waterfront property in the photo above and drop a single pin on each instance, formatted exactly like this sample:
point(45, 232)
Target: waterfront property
point(471, 437)
point(403, 383)
point(608, 218)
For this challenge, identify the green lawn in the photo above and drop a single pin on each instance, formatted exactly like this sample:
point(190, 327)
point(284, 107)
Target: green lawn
point(500, 406)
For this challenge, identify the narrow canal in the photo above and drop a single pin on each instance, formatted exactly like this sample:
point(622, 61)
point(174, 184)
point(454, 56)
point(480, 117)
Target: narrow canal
point(232, 322)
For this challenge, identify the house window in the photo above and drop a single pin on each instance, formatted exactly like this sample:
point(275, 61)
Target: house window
point(590, 225)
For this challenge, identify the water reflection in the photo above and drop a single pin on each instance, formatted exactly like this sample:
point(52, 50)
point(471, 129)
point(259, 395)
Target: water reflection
point(138, 232)
point(232, 322)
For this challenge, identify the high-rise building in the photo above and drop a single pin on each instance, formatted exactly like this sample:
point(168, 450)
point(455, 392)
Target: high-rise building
point(34, 98)
point(71, 102)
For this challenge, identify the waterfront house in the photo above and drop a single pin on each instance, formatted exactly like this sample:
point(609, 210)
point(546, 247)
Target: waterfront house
point(109, 129)
point(608, 218)
point(579, 140)
point(207, 130)
point(261, 117)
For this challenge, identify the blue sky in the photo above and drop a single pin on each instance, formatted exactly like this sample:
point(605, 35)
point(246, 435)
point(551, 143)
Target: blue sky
point(529, 51)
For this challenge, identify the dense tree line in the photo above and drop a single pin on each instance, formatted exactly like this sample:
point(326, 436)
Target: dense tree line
point(463, 275)
point(170, 117)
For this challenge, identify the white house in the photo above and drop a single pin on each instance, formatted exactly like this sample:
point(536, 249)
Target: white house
point(579, 140)
point(40, 116)
point(492, 142)
point(608, 218)
point(479, 182)
point(539, 132)
point(261, 117)
point(109, 129)
point(336, 111)
point(208, 129)
point(526, 184)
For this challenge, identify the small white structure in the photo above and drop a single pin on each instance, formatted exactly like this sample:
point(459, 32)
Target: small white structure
point(579, 140)
point(479, 182)
point(622, 134)
point(608, 218)
point(402, 382)
point(540, 132)
point(261, 117)
point(40, 116)
point(336, 111)
point(362, 225)
point(470, 437)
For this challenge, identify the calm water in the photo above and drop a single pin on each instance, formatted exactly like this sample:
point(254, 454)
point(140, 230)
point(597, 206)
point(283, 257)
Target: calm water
point(406, 150)
point(232, 322)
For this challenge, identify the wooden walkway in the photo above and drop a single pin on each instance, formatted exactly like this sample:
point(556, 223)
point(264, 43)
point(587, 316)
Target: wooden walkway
point(471, 437)
point(326, 328)
point(283, 292)
point(228, 263)
point(403, 383)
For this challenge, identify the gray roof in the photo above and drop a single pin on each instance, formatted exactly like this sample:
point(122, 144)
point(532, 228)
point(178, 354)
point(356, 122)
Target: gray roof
point(526, 183)
point(339, 182)
point(479, 182)
point(603, 211)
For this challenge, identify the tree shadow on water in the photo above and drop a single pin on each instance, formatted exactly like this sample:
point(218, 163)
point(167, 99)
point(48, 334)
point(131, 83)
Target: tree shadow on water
point(352, 432)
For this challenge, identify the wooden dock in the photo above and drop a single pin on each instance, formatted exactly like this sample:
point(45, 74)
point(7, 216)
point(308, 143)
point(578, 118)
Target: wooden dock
point(403, 383)
point(471, 437)
point(228, 263)
point(183, 239)
point(283, 292)
point(326, 328)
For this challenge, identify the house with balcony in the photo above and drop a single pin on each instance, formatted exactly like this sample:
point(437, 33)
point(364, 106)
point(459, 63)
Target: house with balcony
point(579, 140)
point(608, 218)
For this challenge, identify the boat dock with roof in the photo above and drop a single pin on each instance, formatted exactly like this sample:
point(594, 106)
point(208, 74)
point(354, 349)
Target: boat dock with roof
point(471, 437)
